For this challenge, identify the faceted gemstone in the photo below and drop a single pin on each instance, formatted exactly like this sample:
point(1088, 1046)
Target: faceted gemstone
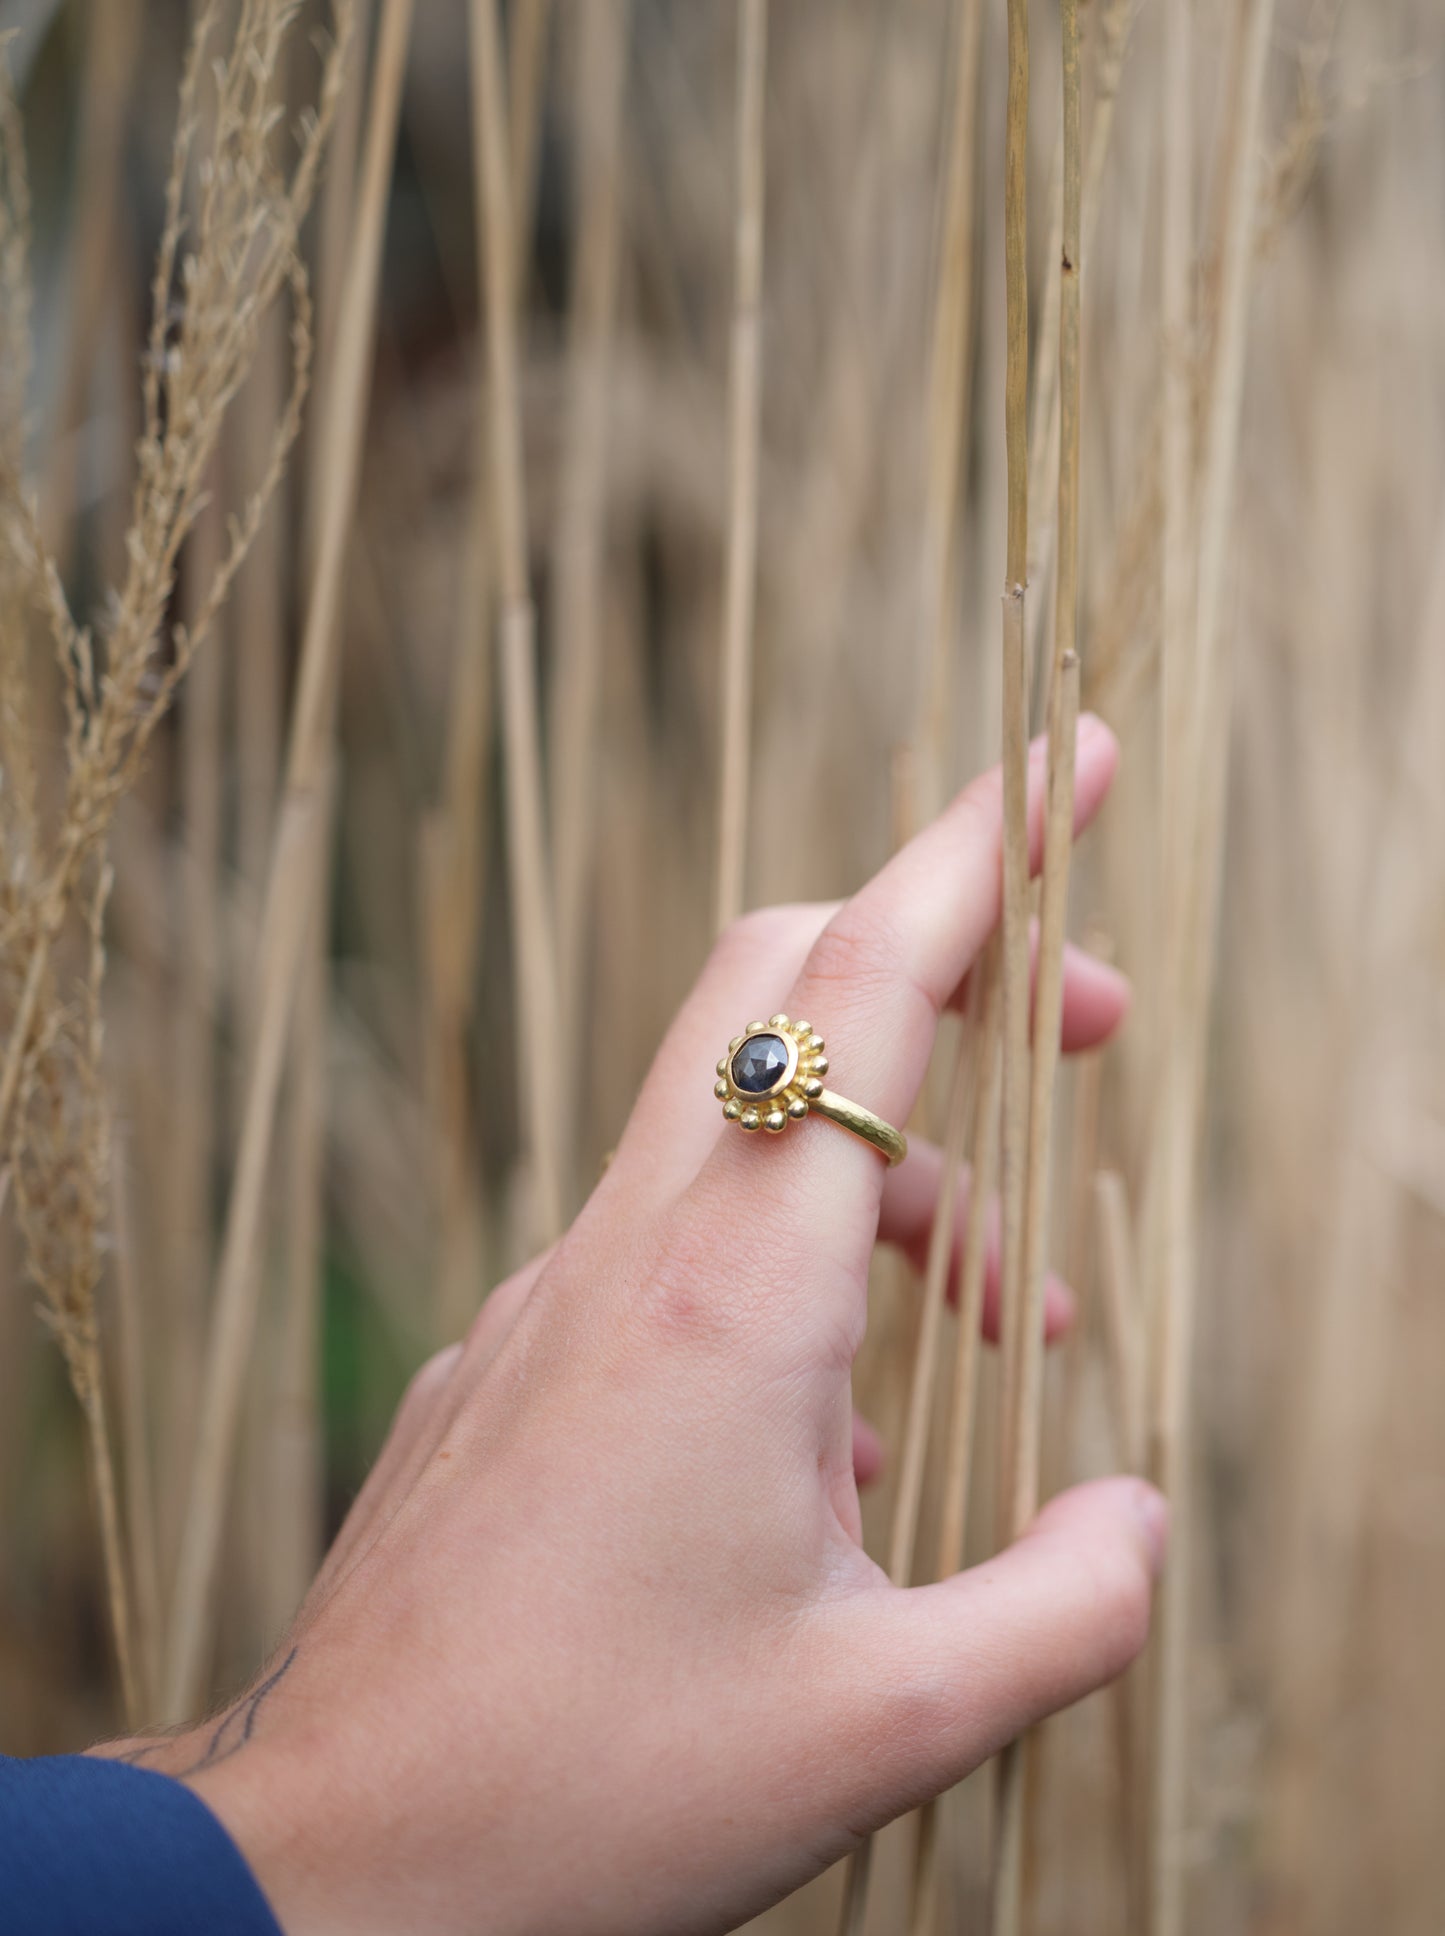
point(759, 1063)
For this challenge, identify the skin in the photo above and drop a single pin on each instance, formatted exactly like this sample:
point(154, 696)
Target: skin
point(598, 1649)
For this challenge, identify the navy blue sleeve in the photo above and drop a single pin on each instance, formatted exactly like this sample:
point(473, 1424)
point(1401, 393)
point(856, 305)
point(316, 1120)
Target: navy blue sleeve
point(102, 1848)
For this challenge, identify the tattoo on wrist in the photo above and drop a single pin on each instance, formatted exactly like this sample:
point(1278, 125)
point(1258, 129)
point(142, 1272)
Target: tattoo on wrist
point(231, 1732)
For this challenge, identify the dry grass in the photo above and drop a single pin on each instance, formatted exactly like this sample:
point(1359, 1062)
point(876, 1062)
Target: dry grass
point(574, 430)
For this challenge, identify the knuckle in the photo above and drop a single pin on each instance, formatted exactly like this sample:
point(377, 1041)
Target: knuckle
point(681, 1297)
point(429, 1381)
point(854, 953)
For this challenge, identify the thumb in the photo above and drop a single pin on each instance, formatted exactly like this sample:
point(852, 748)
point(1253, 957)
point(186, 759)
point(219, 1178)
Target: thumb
point(940, 1677)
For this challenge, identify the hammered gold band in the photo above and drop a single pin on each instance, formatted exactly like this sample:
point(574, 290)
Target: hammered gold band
point(773, 1074)
point(887, 1140)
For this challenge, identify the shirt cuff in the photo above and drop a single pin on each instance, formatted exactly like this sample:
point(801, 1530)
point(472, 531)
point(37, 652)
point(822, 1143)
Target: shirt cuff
point(90, 1847)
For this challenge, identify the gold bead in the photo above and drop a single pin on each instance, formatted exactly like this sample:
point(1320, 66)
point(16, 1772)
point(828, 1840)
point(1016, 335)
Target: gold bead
point(778, 1021)
point(756, 1028)
point(775, 1121)
point(749, 1119)
point(720, 1090)
point(798, 1108)
point(815, 1045)
point(803, 1029)
point(732, 1110)
point(812, 1087)
point(722, 1065)
point(820, 1065)
point(734, 1046)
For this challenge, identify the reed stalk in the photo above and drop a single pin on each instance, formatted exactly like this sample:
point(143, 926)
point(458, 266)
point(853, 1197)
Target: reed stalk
point(138, 1464)
point(1024, 1395)
point(949, 393)
point(963, 1392)
point(744, 407)
point(923, 1384)
point(191, 1088)
point(600, 67)
point(1111, 43)
point(539, 1074)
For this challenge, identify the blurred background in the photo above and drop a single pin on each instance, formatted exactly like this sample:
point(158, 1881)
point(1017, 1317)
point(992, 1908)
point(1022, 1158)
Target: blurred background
point(409, 1166)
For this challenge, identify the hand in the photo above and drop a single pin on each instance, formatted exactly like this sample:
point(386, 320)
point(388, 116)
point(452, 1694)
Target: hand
point(598, 1649)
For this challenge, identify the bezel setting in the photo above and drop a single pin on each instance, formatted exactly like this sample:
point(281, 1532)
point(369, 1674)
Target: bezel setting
point(787, 1097)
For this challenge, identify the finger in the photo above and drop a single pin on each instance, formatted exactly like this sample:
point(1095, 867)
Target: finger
point(489, 1329)
point(1097, 998)
point(868, 1455)
point(905, 1222)
point(428, 1406)
point(413, 1425)
point(874, 985)
point(945, 1675)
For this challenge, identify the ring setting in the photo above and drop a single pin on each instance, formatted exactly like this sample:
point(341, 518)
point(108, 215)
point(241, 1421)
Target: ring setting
point(773, 1074)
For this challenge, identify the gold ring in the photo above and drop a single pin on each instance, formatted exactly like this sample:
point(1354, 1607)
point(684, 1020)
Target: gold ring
point(773, 1074)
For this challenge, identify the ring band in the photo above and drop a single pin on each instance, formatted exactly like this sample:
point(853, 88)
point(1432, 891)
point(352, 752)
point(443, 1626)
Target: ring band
point(773, 1074)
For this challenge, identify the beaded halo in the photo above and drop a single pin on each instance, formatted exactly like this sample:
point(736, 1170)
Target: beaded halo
point(770, 1074)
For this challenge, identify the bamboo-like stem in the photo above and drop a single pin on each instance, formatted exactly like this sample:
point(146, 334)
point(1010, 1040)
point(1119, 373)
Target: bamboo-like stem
point(295, 1452)
point(139, 1473)
point(260, 625)
point(744, 405)
point(1083, 1163)
point(924, 1382)
point(102, 1472)
point(1048, 1011)
point(1112, 35)
point(1025, 1395)
point(935, 1285)
point(1015, 726)
point(538, 1041)
point(192, 1085)
point(949, 392)
point(1058, 842)
point(600, 68)
point(300, 825)
point(1200, 834)
point(963, 1396)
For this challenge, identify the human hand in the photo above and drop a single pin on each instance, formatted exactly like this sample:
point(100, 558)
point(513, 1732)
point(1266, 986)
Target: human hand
point(598, 1649)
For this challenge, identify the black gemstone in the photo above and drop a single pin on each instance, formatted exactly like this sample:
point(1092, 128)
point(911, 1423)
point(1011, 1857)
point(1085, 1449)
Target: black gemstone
point(759, 1063)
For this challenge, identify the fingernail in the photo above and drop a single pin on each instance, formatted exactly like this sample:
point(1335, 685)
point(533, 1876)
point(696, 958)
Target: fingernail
point(1105, 979)
point(1153, 1511)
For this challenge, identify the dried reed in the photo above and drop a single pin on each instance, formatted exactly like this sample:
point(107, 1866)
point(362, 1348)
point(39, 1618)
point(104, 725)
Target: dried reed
point(204, 333)
point(744, 404)
point(533, 915)
point(600, 63)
